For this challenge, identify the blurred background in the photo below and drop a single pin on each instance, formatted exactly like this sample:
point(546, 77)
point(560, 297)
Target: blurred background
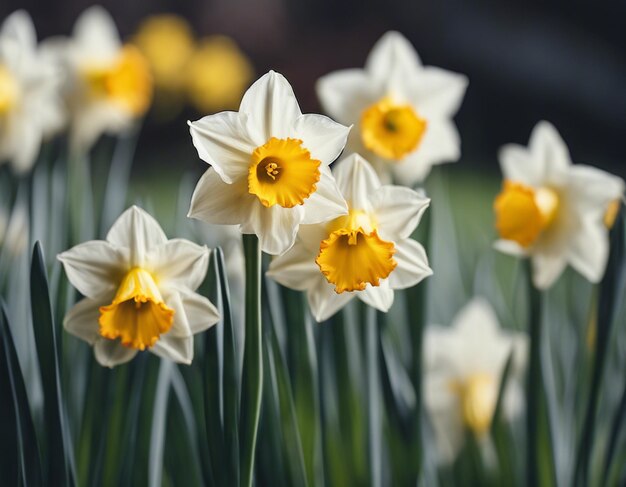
point(526, 60)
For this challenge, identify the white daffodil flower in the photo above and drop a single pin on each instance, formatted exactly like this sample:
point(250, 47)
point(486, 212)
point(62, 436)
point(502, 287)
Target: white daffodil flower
point(109, 84)
point(463, 366)
point(366, 254)
point(555, 212)
point(402, 111)
point(269, 166)
point(139, 292)
point(31, 108)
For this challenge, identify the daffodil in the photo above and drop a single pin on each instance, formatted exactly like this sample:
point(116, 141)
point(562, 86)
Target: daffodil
point(31, 107)
point(366, 254)
point(269, 166)
point(402, 111)
point(139, 292)
point(217, 75)
point(555, 212)
point(109, 84)
point(463, 366)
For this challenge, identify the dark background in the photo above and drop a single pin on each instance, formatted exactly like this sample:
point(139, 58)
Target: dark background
point(527, 60)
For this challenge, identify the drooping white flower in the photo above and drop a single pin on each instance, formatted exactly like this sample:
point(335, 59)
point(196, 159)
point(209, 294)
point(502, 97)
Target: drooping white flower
point(463, 366)
point(554, 211)
point(269, 166)
point(109, 84)
point(366, 254)
point(31, 108)
point(139, 292)
point(402, 110)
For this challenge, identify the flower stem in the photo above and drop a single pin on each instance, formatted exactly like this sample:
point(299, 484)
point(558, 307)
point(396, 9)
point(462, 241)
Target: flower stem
point(534, 386)
point(252, 380)
point(373, 398)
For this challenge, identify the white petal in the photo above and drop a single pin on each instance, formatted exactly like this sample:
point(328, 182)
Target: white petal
point(592, 189)
point(519, 165)
point(94, 119)
point(510, 247)
point(110, 353)
point(324, 301)
point(392, 56)
point(441, 143)
point(96, 35)
point(412, 264)
point(201, 313)
point(398, 210)
point(179, 263)
point(28, 136)
point(311, 236)
point(272, 107)
point(222, 141)
point(296, 268)
point(214, 201)
point(19, 26)
point(94, 268)
point(180, 325)
point(356, 180)
point(326, 202)
point(137, 231)
point(275, 226)
point(476, 318)
point(346, 93)
point(82, 320)
point(323, 137)
point(176, 349)
point(379, 297)
point(588, 250)
point(547, 267)
point(548, 147)
point(437, 92)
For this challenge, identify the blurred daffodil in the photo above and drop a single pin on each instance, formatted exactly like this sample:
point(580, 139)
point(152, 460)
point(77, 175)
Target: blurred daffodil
point(31, 107)
point(463, 366)
point(110, 85)
point(366, 254)
point(553, 211)
point(269, 166)
point(217, 75)
point(402, 110)
point(139, 292)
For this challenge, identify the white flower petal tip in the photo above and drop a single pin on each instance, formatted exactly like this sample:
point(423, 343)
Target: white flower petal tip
point(568, 206)
point(470, 355)
point(140, 291)
point(366, 253)
point(269, 166)
point(394, 88)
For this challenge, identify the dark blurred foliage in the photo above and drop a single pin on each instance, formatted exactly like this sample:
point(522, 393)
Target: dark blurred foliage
point(527, 60)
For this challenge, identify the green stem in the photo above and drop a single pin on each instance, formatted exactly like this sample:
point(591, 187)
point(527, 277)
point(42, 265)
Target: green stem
point(534, 383)
point(373, 398)
point(252, 380)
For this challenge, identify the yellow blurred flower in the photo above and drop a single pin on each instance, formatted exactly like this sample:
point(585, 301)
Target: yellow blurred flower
point(167, 42)
point(218, 73)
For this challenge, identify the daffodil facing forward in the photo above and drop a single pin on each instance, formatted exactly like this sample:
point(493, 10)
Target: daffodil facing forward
point(366, 254)
point(139, 292)
point(109, 84)
point(31, 107)
point(269, 166)
point(555, 212)
point(402, 110)
point(463, 366)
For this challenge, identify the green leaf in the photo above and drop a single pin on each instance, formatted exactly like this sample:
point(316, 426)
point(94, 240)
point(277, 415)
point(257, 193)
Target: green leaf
point(252, 380)
point(58, 448)
point(159, 418)
point(20, 459)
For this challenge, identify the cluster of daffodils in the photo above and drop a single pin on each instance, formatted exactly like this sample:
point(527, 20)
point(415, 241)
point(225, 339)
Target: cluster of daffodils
point(91, 83)
point(211, 73)
point(555, 212)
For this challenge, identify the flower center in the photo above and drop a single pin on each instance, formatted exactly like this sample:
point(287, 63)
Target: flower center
point(390, 130)
point(282, 173)
point(478, 395)
point(137, 315)
point(127, 82)
point(522, 212)
point(9, 91)
point(354, 255)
